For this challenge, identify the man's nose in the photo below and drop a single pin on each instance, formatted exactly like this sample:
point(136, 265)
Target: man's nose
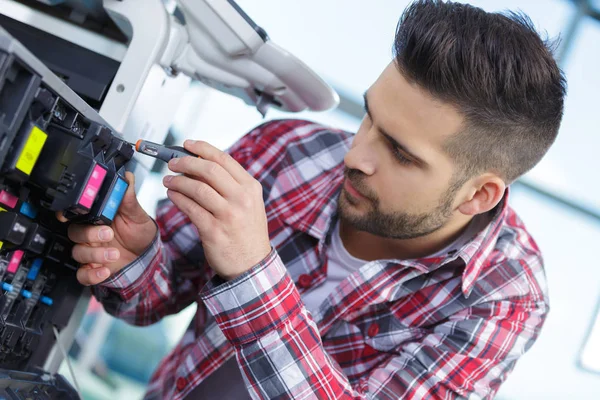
point(362, 155)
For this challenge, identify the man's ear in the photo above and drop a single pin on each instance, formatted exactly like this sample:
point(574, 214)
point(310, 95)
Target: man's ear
point(485, 192)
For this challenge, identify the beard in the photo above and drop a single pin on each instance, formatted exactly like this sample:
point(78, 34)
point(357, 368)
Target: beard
point(397, 224)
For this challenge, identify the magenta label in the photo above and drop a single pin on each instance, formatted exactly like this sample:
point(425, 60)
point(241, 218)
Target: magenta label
point(92, 187)
point(15, 261)
point(8, 199)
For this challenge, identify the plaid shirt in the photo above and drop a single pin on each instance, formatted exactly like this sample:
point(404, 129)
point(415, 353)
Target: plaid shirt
point(440, 327)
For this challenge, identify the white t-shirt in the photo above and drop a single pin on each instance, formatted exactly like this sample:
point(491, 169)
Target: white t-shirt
point(340, 264)
point(227, 381)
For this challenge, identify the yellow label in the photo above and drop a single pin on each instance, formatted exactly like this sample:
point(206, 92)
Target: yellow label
point(32, 150)
point(2, 209)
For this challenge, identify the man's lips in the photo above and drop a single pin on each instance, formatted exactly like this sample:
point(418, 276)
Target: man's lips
point(352, 191)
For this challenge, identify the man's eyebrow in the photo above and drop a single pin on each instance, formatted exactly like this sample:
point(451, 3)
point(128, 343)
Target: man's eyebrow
point(418, 160)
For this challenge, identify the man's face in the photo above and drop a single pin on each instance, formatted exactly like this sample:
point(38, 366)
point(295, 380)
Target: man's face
point(398, 181)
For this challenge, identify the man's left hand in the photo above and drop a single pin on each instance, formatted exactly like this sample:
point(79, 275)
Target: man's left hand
point(225, 203)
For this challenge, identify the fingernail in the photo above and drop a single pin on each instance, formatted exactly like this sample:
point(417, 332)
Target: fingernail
point(104, 234)
point(168, 178)
point(190, 142)
point(174, 161)
point(111, 255)
point(103, 273)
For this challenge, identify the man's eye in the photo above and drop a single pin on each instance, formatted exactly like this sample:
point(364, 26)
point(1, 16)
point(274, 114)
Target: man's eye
point(398, 155)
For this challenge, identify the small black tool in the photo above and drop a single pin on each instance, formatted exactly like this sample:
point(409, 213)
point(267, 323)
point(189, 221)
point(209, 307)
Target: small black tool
point(160, 151)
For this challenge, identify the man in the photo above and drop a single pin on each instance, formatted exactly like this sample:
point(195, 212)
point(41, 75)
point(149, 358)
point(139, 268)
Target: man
point(382, 265)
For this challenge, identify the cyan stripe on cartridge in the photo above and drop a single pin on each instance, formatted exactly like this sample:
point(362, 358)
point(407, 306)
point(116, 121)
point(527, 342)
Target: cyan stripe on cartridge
point(35, 269)
point(115, 199)
point(28, 210)
point(7, 287)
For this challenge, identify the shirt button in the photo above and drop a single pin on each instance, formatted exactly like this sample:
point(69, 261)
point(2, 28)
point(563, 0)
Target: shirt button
point(304, 281)
point(181, 383)
point(373, 330)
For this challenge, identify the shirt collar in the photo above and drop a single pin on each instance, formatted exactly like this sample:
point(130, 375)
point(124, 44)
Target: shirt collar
point(476, 253)
point(312, 212)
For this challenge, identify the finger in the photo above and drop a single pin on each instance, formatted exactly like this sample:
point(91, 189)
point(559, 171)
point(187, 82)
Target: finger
point(90, 234)
point(201, 218)
point(130, 206)
point(207, 171)
point(201, 193)
point(211, 153)
point(87, 275)
point(61, 217)
point(99, 255)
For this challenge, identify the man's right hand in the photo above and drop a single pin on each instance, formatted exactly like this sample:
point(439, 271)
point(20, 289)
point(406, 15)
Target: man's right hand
point(104, 250)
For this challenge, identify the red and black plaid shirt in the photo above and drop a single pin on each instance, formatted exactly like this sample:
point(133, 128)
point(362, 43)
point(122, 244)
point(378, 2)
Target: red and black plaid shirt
point(439, 327)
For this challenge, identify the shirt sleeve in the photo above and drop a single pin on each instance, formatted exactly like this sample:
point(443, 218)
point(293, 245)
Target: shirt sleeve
point(281, 354)
point(164, 279)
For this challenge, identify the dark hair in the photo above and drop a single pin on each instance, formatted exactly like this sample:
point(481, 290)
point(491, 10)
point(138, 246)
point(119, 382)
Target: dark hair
point(498, 73)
